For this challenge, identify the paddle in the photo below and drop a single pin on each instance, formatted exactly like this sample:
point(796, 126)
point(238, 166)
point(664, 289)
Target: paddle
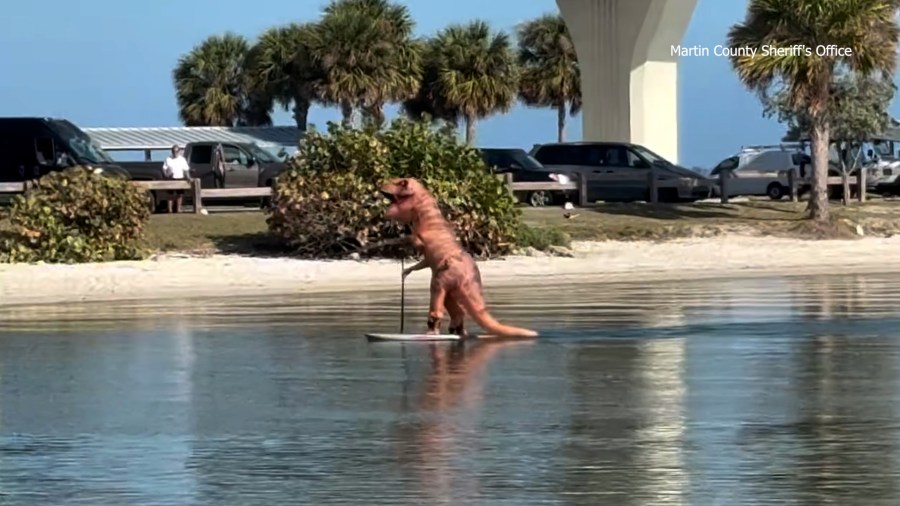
point(402, 294)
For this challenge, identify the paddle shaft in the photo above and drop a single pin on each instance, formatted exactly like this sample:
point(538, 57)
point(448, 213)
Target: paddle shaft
point(402, 294)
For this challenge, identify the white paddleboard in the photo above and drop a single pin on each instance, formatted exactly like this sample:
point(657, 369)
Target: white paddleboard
point(426, 338)
point(412, 337)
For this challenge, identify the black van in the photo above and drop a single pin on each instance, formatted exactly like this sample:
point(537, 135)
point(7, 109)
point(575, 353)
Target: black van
point(33, 147)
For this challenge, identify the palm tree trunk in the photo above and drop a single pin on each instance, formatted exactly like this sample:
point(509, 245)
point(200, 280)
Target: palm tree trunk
point(819, 139)
point(818, 197)
point(301, 112)
point(378, 115)
point(561, 121)
point(347, 113)
point(470, 129)
point(374, 115)
point(845, 175)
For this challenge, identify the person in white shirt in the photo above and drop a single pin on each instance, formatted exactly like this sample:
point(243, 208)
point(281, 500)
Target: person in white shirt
point(176, 167)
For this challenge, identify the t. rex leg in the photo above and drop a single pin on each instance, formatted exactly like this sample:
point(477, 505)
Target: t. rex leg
point(457, 316)
point(436, 307)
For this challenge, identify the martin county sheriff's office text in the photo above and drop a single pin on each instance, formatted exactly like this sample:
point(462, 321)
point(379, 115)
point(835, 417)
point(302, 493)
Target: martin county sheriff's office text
point(795, 50)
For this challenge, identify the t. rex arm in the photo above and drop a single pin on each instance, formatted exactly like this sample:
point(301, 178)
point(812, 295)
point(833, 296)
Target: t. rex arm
point(422, 264)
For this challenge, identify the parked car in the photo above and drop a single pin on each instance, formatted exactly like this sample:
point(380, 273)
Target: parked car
point(33, 147)
point(619, 171)
point(882, 173)
point(761, 170)
point(524, 168)
point(246, 166)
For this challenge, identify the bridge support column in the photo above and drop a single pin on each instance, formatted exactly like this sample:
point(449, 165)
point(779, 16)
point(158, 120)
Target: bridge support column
point(629, 77)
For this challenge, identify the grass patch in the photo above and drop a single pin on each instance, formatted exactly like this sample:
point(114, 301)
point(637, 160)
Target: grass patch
point(245, 232)
point(227, 232)
point(541, 237)
point(630, 222)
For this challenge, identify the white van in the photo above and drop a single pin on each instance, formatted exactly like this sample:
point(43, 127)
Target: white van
point(762, 170)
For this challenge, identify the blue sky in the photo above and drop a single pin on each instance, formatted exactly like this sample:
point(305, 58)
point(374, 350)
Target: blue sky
point(108, 63)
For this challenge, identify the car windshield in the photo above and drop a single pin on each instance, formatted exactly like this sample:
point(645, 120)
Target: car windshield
point(527, 161)
point(730, 163)
point(260, 154)
point(81, 143)
point(884, 149)
point(650, 155)
point(504, 158)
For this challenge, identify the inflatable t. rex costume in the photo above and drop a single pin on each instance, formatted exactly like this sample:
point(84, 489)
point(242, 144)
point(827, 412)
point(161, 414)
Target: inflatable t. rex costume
point(455, 279)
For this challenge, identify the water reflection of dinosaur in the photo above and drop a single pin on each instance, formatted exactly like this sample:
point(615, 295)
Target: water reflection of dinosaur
point(430, 446)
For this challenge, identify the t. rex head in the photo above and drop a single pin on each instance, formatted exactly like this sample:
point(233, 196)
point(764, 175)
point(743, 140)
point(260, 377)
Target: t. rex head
point(405, 195)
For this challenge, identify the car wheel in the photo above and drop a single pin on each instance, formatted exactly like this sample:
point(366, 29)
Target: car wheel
point(775, 191)
point(152, 202)
point(666, 195)
point(539, 199)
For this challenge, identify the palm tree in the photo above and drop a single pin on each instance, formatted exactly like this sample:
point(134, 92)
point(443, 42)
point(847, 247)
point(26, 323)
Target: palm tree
point(257, 109)
point(281, 69)
point(428, 103)
point(865, 31)
point(368, 56)
point(210, 84)
point(259, 100)
point(550, 74)
point(476, 72)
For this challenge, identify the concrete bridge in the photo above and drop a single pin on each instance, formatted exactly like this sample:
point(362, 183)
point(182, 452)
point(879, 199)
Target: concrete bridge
point(629, 75)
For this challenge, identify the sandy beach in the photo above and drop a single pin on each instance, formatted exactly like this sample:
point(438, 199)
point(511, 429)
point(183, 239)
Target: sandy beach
point(166, 277)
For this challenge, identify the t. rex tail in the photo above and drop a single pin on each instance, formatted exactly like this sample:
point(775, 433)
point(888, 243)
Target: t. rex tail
point(474, 304)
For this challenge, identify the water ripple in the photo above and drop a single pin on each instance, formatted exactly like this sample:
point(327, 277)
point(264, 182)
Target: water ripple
point(751, 391)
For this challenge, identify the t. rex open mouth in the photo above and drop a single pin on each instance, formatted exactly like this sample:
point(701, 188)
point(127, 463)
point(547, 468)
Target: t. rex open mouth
point(389, 196)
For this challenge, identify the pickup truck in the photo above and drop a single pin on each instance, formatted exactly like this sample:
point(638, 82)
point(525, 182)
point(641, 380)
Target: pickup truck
point(246, 166)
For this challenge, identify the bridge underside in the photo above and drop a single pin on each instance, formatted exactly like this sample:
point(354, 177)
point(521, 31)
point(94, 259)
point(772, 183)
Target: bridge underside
point(629, 77)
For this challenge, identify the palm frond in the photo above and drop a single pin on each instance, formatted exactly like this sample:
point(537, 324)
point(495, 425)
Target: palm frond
point(209, 81)
point(367, 53)
point(867, 28)
point(550, 75)
point(473, 70)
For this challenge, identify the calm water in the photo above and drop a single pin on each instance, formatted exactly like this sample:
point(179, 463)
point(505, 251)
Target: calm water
point(770, 391)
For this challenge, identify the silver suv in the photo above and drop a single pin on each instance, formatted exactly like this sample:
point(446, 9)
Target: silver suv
point(619, 171)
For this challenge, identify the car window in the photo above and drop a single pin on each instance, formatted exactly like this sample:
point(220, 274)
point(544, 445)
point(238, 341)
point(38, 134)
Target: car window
point(800, 158)
point(567, 155)
point(592, 156)
point(531, 162)
point(635, 161)
point(614, 156)
point(234, 154)
point(522, 159)
point(45, 150)
point(17, 157)
point(549, 155)
point(201, 153)
point(499, 159)
point(490, 158)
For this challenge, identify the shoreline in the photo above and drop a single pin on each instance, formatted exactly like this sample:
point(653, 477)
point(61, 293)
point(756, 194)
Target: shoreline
point(217, 276)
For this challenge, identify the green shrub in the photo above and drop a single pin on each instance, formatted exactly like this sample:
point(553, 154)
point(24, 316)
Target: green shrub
point(541, 238)
point(76, 215)
point(327, 204)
